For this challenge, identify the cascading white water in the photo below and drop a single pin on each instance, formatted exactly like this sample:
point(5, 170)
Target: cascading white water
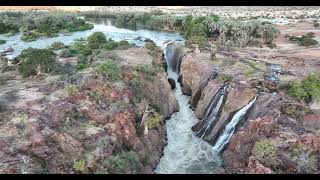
point(229, 129)
point(185, 153)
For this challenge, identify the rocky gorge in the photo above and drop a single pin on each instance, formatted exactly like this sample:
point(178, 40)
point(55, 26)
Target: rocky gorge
point(276, 135)
point(144, 101)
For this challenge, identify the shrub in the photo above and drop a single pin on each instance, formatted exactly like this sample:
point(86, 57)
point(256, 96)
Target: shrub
point(110, 45)
point(306, 90)
point(36, 60)
point(79, 165)
point(82, 62)
point(109, 68)
point(126, 162)
point(65, 53)
point(96, 39)
point(200, 40)
point(307, 162)
point(226, 77)
point(80, 47)
point(57, 45)
point(248, 71)
point(2, 80)
point(150, 46)
point(305, 40)
point(272, 45)
point(148, 71)
point(71, 89)
point(266, 152)
point(154, 121)
point(2, 41)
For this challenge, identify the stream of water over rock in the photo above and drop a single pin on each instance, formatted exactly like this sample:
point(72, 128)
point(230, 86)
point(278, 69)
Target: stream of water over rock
point(185, 152)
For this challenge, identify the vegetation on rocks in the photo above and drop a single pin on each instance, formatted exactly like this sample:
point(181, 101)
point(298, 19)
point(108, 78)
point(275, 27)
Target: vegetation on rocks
point(71, 89)
point(154, 121)
point(79, 165)
point(126, 162)
point(225, 77)
point(110, 68)
point(306, 90)
point(266, 152)
point(307, 161)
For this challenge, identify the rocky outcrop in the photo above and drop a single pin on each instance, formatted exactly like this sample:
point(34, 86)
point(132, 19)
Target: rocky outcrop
point(160, 94)
point(194, 70)
point(208, 92)
point(239, 150)
point(237, 98)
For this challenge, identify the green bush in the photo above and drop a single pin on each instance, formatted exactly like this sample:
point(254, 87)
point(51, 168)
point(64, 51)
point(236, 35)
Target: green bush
point(57, 45)
point(226, 77)
point(65, 53)
point(80, 47)
point(307, 162)
point(96, 40)
point(306, 40)
point(71, 89)
point(307, 89)
point(2, 41)
point(126, 162)
point(151, 46)
point(2, 80)
point(36, 60)
point(110, 45)
point(82, 62)
point(272, 45)
point(79, 165)
point(148, 71)
point(110, 68)
point(154, 121)
point(266, 152)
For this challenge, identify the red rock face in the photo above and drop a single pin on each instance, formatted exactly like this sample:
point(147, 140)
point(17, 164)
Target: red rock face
point(57, 111)
point(311, 121)
point(309, 142)
point(256, 168)
point(238, 152)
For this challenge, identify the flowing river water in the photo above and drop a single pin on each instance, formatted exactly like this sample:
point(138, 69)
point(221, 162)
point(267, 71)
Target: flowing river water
point(185, 152)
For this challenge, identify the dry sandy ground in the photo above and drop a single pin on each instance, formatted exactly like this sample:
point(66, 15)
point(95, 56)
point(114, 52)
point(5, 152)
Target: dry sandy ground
point(224, 11)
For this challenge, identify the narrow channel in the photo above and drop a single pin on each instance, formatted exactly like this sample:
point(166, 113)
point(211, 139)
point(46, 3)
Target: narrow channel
point(185, 153)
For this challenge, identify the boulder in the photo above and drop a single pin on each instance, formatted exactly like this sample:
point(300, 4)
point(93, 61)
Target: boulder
point(172, 83)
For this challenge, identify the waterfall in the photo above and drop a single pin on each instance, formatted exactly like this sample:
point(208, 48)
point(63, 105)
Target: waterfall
point(212, 113)
point(184, 152)
point(179, 64)
point(229, 129)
